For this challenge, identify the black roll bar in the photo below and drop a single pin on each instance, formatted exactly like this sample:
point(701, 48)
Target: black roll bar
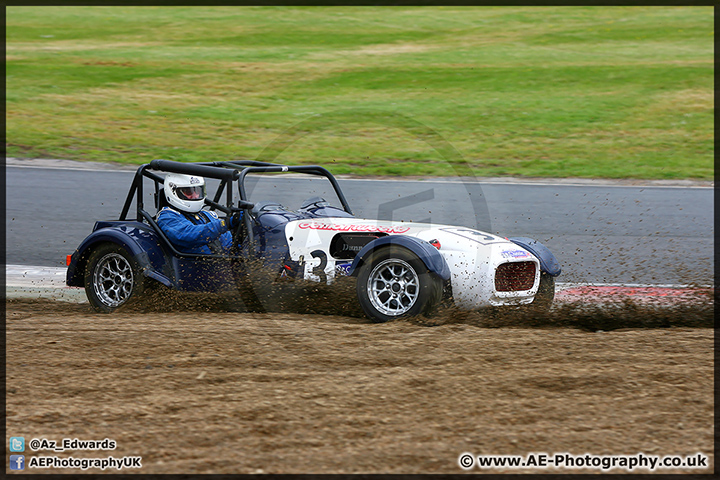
point(309, 169)
point(201, 170)
point(226, 172)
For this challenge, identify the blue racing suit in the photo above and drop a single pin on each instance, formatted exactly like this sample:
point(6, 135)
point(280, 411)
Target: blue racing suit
point(201, 232)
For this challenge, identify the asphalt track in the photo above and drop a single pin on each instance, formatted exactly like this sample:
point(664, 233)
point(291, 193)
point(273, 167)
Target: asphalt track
point(601, 233)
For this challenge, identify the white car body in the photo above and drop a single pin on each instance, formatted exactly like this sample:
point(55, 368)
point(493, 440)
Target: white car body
point(471, 255)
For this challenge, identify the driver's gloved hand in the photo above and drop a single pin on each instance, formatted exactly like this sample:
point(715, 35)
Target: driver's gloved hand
point(234, 220)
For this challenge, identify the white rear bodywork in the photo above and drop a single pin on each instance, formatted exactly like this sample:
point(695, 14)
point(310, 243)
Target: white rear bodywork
point(471, 255)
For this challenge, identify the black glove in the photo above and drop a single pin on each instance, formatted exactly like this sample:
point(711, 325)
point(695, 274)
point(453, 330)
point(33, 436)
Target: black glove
point(234, 220)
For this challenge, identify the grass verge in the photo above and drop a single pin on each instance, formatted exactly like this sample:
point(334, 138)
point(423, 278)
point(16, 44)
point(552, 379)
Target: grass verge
point(613, 92)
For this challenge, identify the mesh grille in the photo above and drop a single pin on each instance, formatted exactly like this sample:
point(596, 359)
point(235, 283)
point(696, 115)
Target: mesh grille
point(514, 277)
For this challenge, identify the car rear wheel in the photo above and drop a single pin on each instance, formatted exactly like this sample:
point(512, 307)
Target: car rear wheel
point(394, 283)
point(112, 278)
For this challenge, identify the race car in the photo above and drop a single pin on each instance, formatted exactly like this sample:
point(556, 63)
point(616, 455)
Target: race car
point(401, 268)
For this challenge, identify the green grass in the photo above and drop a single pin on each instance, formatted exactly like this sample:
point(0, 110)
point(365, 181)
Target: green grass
point(621, 92)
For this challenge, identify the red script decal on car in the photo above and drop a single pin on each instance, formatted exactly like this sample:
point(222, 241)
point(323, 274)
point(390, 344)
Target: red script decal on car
point(352, 228)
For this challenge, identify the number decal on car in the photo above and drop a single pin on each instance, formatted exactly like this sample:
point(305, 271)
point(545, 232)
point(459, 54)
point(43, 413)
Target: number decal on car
point(474, 235)
point(320, 269)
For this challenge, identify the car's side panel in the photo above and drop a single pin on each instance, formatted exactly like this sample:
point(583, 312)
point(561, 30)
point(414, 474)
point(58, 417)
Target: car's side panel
point(193, 274)
point(310, 243)
point(429, 255)
point(269, 233)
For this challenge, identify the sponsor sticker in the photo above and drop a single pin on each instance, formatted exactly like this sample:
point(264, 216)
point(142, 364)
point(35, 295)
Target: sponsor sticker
point(514, 254)
point(343, 268)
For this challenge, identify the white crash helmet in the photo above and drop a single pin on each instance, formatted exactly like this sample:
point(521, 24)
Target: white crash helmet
point(185, 192)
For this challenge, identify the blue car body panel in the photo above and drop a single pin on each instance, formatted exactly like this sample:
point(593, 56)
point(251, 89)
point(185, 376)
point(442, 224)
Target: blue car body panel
point(548, 262)
point(156, 262)
point(269, 231)
point(137, 238)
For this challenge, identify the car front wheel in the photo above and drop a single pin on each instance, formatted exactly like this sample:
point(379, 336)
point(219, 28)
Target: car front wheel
point(546, 293)
point(112, 278)
point(393, 283)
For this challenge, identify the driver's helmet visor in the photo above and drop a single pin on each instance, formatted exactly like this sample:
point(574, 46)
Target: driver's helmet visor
point(196, 192)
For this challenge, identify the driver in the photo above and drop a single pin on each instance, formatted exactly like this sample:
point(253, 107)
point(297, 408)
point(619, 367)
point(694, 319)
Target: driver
point(189, 228)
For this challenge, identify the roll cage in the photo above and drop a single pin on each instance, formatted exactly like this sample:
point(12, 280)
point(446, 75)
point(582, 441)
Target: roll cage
point(227, 172)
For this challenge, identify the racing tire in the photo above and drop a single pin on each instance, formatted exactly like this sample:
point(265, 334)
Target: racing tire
point(112, 278)
point(394, 283)
point(546, 293)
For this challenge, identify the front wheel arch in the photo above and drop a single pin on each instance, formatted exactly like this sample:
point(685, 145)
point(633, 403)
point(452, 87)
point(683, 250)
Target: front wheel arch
point(431, 258)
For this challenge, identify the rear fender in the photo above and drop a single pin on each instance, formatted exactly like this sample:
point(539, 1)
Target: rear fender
point(429, 255)
point(137, 238)
point(548, 262)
